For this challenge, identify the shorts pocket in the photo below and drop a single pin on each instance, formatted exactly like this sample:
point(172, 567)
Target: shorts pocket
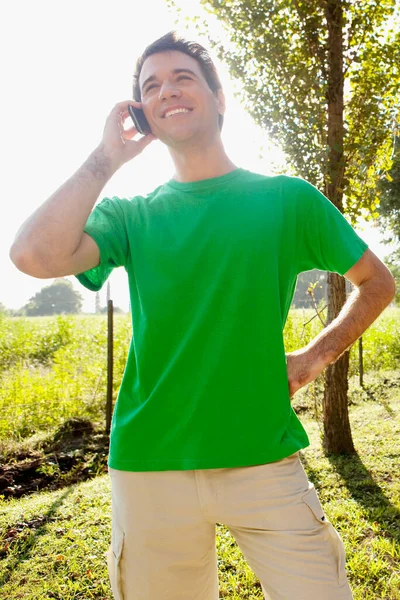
point(312, 501)
point(114, 555)
point(340, 553)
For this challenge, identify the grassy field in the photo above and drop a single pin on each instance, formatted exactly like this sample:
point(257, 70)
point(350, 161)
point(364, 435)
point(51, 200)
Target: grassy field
point(53, 369)
point(53, 543)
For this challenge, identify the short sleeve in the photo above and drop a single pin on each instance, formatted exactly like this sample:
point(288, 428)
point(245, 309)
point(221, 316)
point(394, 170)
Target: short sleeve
point(326, 241)
point(106, 225)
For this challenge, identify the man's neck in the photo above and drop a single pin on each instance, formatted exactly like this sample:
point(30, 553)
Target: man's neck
point(203, 163)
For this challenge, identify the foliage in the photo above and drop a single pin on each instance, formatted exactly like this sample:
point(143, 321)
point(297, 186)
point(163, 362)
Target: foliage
point(57, 298)
point(52, 369)
point(35, 342)
point(389, 201)
point(372, 108)
point(381, 345)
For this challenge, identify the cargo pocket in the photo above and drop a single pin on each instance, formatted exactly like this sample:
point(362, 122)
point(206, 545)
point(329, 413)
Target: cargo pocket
point(114, 555)
point(311, 499)
point(340, 554)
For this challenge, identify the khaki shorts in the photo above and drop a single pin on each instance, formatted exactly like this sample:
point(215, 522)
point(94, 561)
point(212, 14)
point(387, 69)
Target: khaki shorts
point(164, 526)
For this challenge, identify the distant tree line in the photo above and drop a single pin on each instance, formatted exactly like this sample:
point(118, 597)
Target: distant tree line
point(61, 298)
point(58, 298)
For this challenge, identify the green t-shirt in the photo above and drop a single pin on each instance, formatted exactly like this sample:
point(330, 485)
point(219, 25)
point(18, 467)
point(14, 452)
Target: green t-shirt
point(212, 268)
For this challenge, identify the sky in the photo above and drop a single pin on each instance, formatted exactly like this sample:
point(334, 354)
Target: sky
point(65, 65)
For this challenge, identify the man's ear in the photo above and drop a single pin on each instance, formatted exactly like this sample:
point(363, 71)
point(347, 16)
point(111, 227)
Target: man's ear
point(221, 104)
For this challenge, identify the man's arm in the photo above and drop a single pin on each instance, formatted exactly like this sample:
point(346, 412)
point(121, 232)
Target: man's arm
point(375, 289)
point(51, 242)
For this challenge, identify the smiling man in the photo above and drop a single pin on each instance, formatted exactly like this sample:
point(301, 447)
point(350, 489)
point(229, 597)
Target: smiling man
point(203, 431)
point(184, 111)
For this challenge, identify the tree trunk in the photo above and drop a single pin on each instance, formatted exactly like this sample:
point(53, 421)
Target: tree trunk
point(337, 432)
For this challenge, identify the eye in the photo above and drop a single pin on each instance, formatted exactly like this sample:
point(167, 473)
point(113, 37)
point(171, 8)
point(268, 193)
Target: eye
point(153, 85)
point(150, 87)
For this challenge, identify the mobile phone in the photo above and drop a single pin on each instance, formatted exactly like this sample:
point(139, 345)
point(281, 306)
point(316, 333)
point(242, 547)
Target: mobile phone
point(139, 120)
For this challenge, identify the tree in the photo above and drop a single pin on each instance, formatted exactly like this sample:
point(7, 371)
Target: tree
point(3, 309)
point(322, 77)
point(58, 298)
point(389, 202)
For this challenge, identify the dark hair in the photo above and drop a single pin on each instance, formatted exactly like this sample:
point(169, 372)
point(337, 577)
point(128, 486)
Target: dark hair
point(172, 41)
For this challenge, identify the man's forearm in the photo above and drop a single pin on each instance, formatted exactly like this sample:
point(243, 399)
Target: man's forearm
point(55, 229)
point(361, 309)
point(363, 306)
point(375, 288)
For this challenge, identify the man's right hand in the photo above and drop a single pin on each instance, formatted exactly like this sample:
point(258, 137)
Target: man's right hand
point(117, 143)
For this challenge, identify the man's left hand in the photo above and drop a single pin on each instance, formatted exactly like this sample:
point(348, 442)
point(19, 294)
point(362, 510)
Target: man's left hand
point(302, 368)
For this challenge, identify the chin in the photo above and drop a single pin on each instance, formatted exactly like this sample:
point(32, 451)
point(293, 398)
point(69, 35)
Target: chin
point(178, 138)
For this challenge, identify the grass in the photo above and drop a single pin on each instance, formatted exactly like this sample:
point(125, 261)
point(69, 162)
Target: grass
point(53, 369)
point(53, 543)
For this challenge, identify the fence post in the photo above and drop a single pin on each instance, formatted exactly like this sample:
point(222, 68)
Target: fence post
point(110, 364)
point(361, 361)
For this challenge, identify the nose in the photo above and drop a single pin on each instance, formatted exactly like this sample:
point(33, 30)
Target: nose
point(168, 90)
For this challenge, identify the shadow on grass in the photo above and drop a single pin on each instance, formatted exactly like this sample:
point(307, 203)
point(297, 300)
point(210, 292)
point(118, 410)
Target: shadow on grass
point(23, 546)
point(365, 491)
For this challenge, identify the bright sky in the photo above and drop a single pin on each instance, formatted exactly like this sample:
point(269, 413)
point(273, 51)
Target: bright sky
point(65, 65)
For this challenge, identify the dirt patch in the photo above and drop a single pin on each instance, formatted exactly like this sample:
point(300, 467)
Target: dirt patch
point(76, 452)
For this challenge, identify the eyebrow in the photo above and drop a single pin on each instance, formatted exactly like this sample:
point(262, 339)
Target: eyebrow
point(175, 71)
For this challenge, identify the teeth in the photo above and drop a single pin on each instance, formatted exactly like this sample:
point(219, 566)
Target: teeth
point(178, 110)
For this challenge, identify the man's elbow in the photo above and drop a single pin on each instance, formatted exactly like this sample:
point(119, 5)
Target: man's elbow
point(381, 288)
point(387, 287)
point(26, 263)
point(17, 257)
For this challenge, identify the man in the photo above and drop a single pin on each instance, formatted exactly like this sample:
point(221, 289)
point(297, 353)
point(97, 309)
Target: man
point(203, 431)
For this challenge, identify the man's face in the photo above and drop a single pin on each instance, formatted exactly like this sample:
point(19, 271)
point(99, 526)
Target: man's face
point(172, 81)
